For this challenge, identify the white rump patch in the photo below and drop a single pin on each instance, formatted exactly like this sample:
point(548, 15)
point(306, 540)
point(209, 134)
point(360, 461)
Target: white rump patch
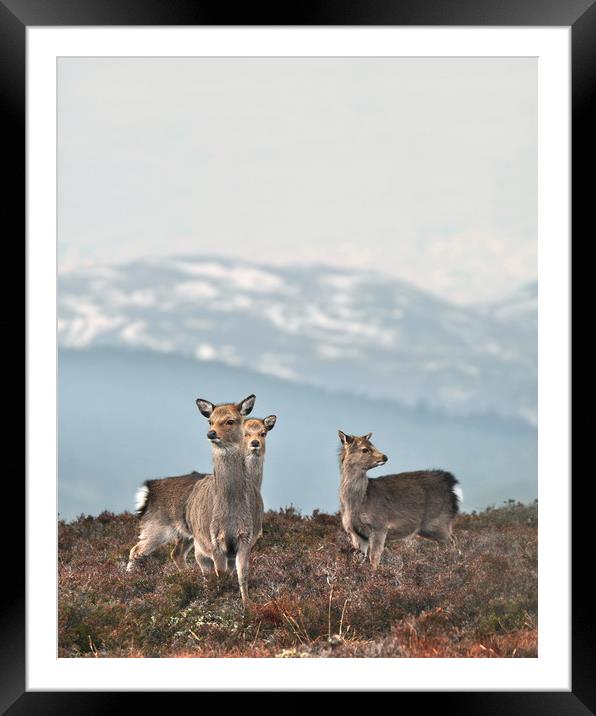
point(459, 493)
point(141, 497)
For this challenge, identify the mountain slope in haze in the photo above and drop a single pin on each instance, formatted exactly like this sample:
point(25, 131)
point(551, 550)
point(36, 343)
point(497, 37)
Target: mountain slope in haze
point(344, 330)
point(520, 307)
point(127, 416)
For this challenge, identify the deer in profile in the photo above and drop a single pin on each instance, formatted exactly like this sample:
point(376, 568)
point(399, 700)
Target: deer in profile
point(225, 510)
point(161, 504)
point(421, 503)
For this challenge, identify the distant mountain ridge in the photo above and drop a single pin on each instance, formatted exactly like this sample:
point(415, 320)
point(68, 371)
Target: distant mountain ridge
point(521, 306)
point(346, 330)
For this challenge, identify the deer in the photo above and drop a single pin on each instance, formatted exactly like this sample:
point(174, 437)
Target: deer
point(424, 502)
point(255, 432)
point(161, 503)
point(161, 507)
point(225, 509)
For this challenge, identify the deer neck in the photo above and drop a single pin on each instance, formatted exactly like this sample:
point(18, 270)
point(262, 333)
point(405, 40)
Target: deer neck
point(353, 485)
point(228, 471)
point(253, 467)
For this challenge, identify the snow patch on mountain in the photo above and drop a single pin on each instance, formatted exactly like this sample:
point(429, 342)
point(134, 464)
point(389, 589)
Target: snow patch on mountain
point(340, 329)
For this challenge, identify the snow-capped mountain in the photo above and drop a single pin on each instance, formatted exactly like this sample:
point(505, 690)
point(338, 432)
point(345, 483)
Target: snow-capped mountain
point(341, 329)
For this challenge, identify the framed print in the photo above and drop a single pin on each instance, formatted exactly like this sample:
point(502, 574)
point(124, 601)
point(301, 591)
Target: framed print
point(365, 222)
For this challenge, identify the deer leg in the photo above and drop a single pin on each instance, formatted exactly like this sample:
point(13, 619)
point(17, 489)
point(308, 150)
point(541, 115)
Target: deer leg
point(181, 549)
point(440, 534)
point(189, 546)
point(205, 565)
point(149, 541)
point(377, 544)
point(242, 560)
point(175, 553)
point(363, 546)
point(220, 561)
point(204, 561)
point(358, 542)
point(133, 556)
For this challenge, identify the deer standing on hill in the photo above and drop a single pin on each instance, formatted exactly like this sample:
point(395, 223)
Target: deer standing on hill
point(161, 503)
point(225, 509)
point(423, 502)
point(161, 506)
point(253, 447)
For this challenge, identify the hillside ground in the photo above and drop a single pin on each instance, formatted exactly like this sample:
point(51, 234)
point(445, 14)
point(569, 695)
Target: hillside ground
point(312, 595)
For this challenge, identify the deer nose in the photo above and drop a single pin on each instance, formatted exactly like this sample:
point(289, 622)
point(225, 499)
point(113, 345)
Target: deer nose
point(255, 443)
point(212, 435)
point(384, 458)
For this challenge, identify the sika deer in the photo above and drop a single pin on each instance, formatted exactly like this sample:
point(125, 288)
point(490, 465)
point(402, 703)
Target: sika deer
point(161, 504)
point(255, 432)
point(225, 509)
point(423, 502)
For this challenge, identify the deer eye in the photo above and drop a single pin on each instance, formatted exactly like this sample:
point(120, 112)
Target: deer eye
point(364, 449)
point(263, 434)
point(230, 422)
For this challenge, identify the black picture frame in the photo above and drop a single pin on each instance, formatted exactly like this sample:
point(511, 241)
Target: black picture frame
point(579, 15)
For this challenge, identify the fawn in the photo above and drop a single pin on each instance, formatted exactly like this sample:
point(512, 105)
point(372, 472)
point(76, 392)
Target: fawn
point(423, 502)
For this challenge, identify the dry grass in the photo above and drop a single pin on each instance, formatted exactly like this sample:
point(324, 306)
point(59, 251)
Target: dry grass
point(312, 595)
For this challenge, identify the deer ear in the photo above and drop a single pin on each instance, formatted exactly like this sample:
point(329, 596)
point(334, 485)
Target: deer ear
point(346, 439)
point(205, 407)
point(368, 436)
point(270, 421)
point(246, 405)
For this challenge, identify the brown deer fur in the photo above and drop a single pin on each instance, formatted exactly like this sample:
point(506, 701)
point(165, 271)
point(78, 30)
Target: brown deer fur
point(255, 432)
point(224, 497)
point(409, 503)
point(163, 511)
point(225, 509)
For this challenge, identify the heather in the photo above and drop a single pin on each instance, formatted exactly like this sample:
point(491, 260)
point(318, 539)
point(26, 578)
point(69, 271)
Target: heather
point(312, 595)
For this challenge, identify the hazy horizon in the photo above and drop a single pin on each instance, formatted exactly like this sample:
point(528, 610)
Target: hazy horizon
point(422, 169)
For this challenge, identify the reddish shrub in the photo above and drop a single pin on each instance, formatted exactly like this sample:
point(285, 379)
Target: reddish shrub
point(313, 596)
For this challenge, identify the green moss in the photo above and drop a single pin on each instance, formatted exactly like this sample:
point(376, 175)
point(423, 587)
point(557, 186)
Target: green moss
point(505, 615)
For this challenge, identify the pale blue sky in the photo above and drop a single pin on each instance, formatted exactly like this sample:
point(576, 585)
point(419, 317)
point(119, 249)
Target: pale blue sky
point(423, 169)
